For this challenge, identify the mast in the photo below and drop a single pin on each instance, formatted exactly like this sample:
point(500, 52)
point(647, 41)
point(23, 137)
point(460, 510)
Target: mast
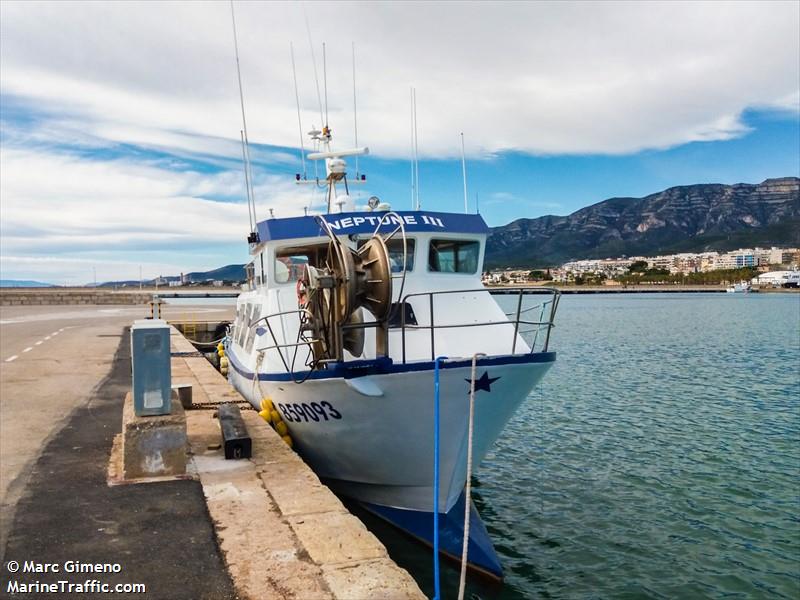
point(464, 172)
point(251, 204)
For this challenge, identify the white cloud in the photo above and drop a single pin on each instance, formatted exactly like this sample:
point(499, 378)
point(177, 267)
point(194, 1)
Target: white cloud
point(60, 210)
point(60, 270)
point(610, 77)
point(509, 198)
point(536, 77)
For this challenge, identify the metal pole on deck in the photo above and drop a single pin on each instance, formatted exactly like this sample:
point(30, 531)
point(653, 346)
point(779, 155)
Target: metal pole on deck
point(464, 172)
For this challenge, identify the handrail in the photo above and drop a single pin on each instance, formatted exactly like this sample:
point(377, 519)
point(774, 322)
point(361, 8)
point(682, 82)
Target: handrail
point(516, 322)
point(483, 324)
point(277, 346)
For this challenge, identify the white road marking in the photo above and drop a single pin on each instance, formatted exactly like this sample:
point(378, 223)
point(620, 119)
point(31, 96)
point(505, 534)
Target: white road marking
point(39, 343)
point(28, 349)
point(47, 337)
point(12, 358)
point(55, 333)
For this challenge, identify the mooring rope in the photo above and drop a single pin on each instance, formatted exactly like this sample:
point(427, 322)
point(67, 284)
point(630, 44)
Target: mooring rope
point(468, 488)
point(437, 594)
point(256, 379)
point(214, 343)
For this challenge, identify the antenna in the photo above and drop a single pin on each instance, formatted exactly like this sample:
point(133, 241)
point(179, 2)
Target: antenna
point(246, 180)
point(477, 204)
point(416, 149)
point(251, 204)
point(355, 113)
point(299, 122)
point(325, 82)
point(249, 167)
point(313, 60)
point(413, 180)
point(464, 172)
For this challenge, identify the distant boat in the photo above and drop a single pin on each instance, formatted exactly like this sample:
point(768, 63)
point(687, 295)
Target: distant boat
point(739, 288)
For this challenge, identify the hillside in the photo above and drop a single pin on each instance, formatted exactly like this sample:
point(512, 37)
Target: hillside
point(679, 219)
point(15, 283)
point(226, 273)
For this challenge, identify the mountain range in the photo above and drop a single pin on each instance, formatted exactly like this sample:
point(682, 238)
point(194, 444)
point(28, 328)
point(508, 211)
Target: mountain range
point(690, 218)
point(25, 283)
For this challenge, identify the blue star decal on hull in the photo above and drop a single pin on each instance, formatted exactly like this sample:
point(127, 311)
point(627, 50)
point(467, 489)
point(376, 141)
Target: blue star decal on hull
point(484, 382)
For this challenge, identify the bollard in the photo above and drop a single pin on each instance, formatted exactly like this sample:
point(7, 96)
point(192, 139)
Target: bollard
point(183, 392)
point(235, 439)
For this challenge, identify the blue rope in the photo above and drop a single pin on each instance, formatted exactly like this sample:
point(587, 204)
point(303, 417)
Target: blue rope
point(436, 477)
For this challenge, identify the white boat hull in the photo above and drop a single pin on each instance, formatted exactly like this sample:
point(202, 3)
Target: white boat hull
point(371, 437)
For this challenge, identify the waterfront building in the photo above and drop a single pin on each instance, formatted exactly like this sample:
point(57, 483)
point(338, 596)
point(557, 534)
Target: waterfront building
point(778, 279)
point(684, 263)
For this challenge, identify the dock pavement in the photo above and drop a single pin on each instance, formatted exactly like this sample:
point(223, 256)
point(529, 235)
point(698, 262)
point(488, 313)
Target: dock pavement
point(263, 528)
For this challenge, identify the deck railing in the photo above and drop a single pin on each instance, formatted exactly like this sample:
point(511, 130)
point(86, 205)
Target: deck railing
point(547, 313)
point(301, 313)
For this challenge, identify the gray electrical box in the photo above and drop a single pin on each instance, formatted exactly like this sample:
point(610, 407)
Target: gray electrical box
point(150, 360)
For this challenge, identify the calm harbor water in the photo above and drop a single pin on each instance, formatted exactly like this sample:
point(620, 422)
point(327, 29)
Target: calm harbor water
point(660, 458)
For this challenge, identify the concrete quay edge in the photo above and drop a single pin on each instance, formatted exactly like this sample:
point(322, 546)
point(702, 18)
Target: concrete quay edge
point(282, 532)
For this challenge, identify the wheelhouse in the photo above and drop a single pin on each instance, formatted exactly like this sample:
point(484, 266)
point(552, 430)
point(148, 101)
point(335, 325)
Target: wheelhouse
point(438, 300)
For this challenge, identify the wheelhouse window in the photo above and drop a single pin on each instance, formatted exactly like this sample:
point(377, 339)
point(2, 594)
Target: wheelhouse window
point(395, 248)
point(290, 262)
point(249, 272)
point(454, 256)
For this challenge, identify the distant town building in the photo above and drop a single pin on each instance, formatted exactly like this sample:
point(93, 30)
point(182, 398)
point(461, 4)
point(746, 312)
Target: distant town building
point(609, 269)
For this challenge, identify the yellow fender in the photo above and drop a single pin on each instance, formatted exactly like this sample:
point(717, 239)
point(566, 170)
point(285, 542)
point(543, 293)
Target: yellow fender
point(265, 414)
point(288, 440)
point(266, 404)
point(281, 428)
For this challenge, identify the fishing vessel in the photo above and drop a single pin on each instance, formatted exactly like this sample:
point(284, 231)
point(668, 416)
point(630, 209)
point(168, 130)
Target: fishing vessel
point(742, 287)
point(392, 366)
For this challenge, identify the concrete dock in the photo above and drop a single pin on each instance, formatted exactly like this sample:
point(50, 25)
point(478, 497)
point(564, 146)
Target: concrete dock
point(259, 528)
point(284, 534)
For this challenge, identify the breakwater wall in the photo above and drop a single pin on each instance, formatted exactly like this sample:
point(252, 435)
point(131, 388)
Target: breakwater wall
point(58, 296)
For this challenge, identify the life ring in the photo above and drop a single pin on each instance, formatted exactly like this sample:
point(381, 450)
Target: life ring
point(302, 293)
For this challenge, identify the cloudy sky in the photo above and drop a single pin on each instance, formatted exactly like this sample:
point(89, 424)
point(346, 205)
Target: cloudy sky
point(120, 120)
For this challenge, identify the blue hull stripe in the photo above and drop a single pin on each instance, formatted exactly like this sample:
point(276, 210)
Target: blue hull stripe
point(384, 366)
